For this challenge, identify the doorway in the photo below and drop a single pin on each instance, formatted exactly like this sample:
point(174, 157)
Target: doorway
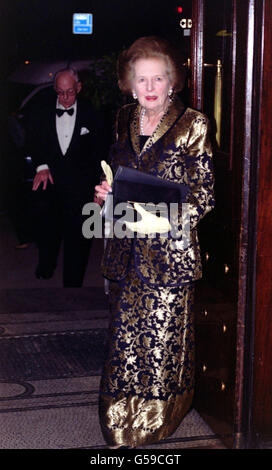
point(225, 82)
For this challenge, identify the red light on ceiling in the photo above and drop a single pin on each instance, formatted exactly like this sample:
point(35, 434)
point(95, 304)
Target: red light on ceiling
point(179, 9)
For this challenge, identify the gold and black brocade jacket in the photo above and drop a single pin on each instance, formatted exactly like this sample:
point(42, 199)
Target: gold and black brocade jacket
point(179, 150)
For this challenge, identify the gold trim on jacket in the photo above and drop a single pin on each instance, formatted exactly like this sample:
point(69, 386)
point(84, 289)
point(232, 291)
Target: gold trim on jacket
point(179, 150)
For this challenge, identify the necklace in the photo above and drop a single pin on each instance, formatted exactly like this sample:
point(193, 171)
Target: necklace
point(142, 122)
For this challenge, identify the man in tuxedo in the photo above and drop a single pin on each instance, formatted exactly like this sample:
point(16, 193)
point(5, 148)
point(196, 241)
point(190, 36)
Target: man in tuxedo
point(67, 145)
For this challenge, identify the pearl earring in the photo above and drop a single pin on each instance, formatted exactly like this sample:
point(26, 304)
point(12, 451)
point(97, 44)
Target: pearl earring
point(170, 93)
point(134, 95)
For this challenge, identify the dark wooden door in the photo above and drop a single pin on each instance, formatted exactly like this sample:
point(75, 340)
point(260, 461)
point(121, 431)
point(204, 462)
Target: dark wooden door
point(261, 396)
point(226, 66)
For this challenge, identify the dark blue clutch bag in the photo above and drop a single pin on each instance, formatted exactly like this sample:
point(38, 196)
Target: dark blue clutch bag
point(131, 185)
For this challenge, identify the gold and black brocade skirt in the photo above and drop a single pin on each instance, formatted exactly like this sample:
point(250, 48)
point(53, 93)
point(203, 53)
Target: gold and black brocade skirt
point(148, 378)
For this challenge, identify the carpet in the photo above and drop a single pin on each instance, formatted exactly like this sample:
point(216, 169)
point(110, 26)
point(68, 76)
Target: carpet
point(57, 355)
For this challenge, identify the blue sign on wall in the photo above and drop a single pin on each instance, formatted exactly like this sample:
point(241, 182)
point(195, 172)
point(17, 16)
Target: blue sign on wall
point(82, 23)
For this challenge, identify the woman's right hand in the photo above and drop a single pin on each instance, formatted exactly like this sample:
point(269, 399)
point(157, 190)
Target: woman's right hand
point(101, 192)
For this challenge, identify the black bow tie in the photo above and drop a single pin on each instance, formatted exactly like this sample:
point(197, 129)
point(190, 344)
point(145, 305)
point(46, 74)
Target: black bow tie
point(60, 112)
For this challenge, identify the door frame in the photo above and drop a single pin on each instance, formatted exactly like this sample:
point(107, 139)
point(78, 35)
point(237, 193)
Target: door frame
point(248, 36)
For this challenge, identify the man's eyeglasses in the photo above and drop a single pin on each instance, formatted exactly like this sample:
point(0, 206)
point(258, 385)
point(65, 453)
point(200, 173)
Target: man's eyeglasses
point(69, 92)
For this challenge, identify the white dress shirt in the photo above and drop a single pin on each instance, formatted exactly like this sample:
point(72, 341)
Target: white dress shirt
point(65, 125)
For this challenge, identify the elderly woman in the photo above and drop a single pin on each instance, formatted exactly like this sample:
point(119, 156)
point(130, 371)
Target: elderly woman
point(148, 380)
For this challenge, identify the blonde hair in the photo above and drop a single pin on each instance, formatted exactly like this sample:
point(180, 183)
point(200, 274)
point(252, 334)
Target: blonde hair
point(147, 48)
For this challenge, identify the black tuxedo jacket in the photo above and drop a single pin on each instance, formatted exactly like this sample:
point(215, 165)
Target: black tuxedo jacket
point(76, 172)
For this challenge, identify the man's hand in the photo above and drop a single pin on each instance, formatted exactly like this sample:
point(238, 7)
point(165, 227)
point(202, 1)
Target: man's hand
point(42, 177)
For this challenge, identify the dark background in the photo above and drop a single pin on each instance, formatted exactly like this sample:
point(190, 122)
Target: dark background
point(42, 30)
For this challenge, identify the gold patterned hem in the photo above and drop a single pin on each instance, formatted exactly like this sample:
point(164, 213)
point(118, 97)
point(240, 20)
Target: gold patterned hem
point(134, 421)
point(148, 377)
